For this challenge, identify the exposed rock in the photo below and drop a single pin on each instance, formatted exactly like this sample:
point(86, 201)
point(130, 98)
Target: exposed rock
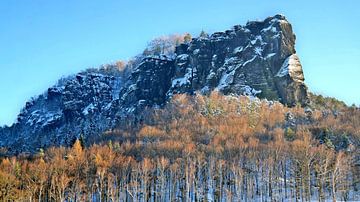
point(149, 82)
point(258, 59)
point(83, 104)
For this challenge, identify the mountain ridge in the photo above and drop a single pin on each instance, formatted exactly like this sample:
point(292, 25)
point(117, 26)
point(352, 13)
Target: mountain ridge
point(258, 59)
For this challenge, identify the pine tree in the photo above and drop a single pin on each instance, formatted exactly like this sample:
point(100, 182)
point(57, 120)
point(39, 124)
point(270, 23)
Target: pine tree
point(203, 34)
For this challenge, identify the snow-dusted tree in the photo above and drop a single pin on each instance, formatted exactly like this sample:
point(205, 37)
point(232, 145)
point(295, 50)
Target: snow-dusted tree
point(164, 45)
point(203, 34)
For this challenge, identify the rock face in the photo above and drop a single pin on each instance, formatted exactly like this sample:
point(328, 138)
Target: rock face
point(258, 59)
point(82, 104)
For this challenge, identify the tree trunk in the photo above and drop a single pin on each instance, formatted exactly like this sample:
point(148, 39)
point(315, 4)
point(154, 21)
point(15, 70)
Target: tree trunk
point(333, 190)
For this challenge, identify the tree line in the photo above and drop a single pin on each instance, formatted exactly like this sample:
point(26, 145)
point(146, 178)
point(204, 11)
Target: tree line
point(201, 148)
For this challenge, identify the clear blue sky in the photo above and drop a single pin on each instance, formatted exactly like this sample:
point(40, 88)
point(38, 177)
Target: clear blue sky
point(42, 40)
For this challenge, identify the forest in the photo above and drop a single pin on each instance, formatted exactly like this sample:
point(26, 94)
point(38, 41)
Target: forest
point(203, 148)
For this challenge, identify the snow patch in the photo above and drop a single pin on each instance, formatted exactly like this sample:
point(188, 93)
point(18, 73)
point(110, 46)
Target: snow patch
point(291, 66)
point(51, 119)
point(238, 49)
point(248, 91)
point(108, 106)
point(211, 75)
point(229, 61)
point(258, 50)
point(182, 57)
point(257, 38)
point(43, 118)
point(132, 87)
point(88, 109)
point(226, 80)
point(205, 90)
point(182, 80)
point(116, 86)
point(270, 28)
point(214, 58)
point(270, 55)
point(251, 60)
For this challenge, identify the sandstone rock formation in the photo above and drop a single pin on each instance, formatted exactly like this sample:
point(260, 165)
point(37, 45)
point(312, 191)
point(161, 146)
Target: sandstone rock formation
point(258, 59)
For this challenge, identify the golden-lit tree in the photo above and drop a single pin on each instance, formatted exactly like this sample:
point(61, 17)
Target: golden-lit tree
point(201, 148)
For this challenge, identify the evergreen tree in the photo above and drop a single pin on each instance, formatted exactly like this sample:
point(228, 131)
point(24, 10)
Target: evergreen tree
point(203, 34)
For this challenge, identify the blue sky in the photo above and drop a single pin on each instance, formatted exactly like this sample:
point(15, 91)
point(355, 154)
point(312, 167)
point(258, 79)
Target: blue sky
point(42, 40)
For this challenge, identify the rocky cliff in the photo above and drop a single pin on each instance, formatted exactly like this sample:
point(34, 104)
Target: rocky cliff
point(258, 59)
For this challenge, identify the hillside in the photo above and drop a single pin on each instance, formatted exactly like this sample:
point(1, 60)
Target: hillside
point(258, 59)
point(202, 148)
point(220, 117)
